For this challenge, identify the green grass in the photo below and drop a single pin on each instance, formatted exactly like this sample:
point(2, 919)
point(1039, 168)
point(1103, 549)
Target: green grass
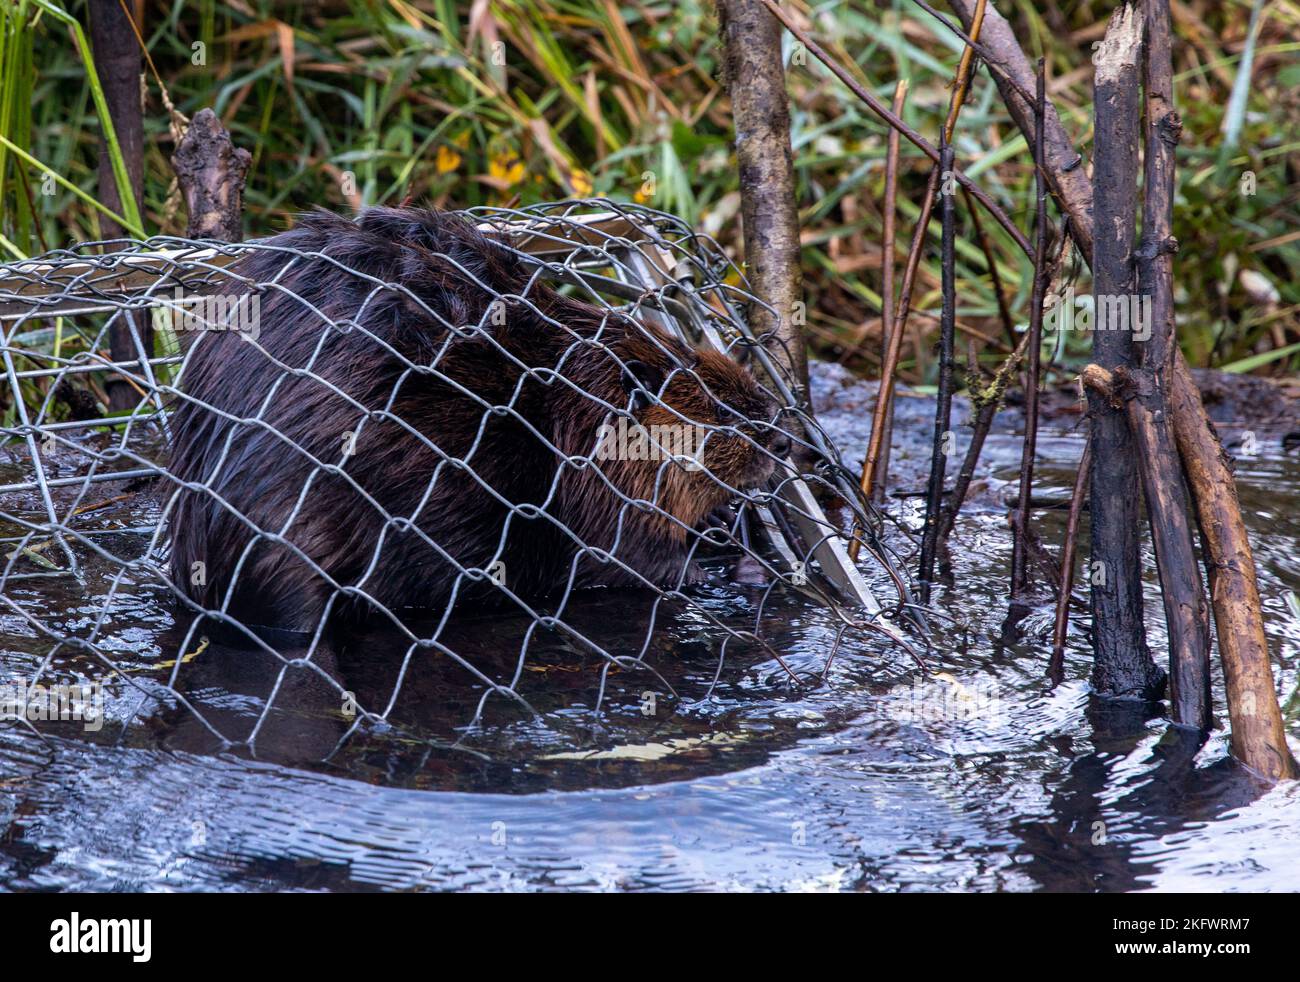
point(356, 102)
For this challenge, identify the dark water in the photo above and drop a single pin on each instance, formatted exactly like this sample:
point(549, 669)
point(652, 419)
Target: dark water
point(976, 778)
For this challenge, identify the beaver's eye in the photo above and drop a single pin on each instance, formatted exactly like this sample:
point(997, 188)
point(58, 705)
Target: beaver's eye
point(738, 421)
point(730, 417)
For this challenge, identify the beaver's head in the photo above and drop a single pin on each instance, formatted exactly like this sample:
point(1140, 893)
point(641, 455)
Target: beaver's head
point(714, 431)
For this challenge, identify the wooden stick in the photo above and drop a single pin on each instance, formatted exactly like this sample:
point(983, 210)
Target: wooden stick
point(1186, 612)
point(943, 404)
point(986, 247)
point(1020, 540)
point(887, 265)
point(1258, 735)
point(1122, 664)
point(1056, 667)
point(755, 75)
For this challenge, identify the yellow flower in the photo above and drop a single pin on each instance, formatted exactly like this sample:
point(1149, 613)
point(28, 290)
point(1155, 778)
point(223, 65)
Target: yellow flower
point(507, 168)
point(448, 159)
point(581, 182)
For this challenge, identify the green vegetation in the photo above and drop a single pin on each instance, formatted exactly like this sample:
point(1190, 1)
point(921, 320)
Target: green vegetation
point(374, 101)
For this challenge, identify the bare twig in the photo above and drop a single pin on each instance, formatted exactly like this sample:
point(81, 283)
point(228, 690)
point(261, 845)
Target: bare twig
point(1019, 576)
point(986, 247)
point(886, 303)
point(1056, 667)
point(943, 403)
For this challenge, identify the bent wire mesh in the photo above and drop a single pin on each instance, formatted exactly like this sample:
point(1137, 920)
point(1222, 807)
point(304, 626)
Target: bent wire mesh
point(428, 442)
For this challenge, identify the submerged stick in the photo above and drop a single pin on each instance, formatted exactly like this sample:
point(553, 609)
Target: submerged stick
point(1020, 540)
point(1056, 667)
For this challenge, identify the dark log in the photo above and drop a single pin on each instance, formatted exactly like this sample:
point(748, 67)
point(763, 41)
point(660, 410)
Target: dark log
point(118, 64)
point(1122, 665)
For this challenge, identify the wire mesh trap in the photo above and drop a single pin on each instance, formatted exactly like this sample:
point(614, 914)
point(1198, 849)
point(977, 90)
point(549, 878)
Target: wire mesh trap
point(451, 430)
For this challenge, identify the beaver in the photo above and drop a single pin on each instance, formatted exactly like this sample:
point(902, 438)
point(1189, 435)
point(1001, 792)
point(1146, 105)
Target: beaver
point(415, 422)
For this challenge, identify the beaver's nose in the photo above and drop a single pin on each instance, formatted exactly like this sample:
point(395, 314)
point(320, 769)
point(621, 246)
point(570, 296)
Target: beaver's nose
point(779, 444)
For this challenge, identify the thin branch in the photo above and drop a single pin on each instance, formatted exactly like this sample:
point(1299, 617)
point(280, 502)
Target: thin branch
point(943, 404)
point(1056, 667)
point(1019, 575)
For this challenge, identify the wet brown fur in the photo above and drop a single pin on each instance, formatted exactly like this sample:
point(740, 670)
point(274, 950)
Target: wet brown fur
point(416, 373)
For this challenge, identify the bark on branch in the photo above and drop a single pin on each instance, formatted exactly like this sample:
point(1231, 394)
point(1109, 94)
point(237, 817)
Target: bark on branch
point(1186, 614)
point(118, 63)
point(755, 77)
point(1122, 665)
point(1258, 736)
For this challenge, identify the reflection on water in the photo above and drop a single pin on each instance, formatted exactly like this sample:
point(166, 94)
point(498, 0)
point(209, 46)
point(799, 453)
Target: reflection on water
point(976, 778)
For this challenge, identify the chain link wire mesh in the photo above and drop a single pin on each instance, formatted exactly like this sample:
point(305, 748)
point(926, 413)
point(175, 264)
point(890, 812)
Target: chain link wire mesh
point(444, 432)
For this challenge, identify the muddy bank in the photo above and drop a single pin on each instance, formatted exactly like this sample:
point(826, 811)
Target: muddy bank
point(1250, 413)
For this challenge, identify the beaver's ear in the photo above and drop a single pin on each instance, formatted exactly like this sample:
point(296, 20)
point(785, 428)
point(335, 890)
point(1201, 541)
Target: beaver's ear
point(642, 382)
